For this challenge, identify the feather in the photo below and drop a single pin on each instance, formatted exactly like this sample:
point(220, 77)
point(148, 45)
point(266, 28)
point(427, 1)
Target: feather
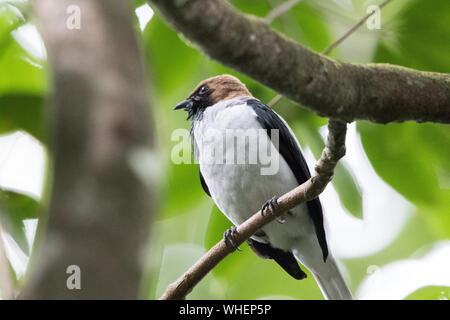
point(290, 151)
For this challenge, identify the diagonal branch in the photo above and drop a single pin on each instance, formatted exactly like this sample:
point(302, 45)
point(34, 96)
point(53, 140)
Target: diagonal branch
point(334, 150)
point(377, 92)
point(281, 9)
point(353, 29)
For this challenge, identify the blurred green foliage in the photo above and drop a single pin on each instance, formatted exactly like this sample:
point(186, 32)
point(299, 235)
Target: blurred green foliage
point(22, 90)
point(415, 160)
point(412, 158)
point(14, 208)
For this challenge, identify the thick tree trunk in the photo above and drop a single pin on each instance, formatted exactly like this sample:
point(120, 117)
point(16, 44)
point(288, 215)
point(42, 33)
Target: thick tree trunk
point(100, 209)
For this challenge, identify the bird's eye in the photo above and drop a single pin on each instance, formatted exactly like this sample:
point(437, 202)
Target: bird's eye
point(203, 90)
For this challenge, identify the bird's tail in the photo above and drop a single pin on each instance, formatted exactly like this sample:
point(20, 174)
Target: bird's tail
point(331, 283)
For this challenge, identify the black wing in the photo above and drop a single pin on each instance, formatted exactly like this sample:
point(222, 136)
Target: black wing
point(204, 185)
point(290, 151)
point(284, 258)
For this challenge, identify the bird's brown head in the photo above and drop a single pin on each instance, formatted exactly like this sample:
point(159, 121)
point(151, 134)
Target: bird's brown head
point(211, 91)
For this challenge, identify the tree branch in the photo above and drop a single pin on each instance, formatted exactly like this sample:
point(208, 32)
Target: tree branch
point(335, 44)
point(376, 92)
point(334, 150)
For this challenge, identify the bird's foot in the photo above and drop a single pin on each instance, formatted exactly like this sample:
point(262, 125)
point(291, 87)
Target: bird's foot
point(228, 237)
point(270, 205)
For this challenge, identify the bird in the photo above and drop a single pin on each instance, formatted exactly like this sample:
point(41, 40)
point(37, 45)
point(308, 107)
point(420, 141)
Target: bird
point(223, 104)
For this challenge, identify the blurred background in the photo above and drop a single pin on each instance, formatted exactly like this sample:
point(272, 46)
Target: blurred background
point(387, 210)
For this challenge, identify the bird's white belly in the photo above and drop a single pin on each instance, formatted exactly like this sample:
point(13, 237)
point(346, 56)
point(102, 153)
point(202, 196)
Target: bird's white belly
point(239, 190)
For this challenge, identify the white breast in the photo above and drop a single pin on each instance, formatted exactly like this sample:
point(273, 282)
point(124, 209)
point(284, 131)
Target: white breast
point(240, 189)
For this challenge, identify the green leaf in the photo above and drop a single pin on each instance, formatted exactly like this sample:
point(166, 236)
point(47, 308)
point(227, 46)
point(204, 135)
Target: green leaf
point(399, 154)
point(348, 191)
point(14, 208)
point(21, 91)
point(184, 190)
point(9, 21)
point(259, 9)
point(302, 22)
point(137, 3)
point(18, 205)
point(413, 45)
point(312, 29)
point(22, 111)
point(24, 75)
point(172, 60)
point(217, 225)
point(415, 160)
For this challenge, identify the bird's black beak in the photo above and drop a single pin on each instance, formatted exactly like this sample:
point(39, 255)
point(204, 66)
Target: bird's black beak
point(185, 104)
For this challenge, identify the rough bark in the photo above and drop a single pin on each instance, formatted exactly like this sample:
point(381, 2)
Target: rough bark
point(100, 209)
point(376, 92)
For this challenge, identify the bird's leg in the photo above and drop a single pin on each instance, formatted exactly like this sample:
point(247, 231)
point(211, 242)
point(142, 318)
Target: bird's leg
point(228, 237)
point(271, 205)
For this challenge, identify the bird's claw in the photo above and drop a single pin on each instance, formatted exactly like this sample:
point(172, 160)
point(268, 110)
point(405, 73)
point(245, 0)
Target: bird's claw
point(228, 237)
point(271, 205)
